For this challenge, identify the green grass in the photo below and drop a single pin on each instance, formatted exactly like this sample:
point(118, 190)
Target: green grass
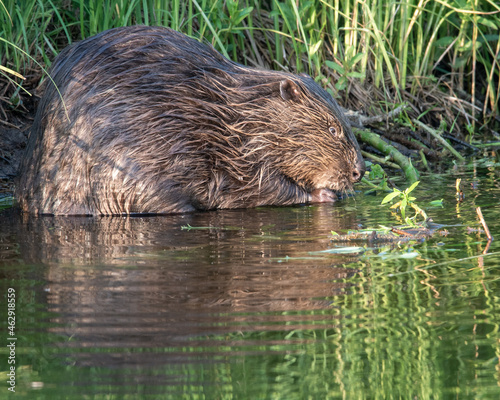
point(441, 56)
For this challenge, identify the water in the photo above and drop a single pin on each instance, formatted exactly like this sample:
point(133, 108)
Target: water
point(257, 304)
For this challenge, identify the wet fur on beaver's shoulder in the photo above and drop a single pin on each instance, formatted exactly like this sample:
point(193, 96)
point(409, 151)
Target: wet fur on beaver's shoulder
point(156, 122)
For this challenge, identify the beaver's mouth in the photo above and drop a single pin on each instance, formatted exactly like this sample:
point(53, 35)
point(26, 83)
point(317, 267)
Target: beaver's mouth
point(323, 195)
point(337, 183)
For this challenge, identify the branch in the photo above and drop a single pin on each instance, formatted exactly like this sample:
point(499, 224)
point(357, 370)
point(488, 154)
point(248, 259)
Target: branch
point(359, 121)
point(438, 137)
point(374, 140)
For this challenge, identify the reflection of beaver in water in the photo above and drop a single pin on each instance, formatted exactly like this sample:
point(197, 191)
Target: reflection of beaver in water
point(157, 122)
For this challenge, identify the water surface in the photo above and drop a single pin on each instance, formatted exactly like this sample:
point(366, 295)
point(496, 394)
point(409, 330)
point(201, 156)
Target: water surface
point(258, 304)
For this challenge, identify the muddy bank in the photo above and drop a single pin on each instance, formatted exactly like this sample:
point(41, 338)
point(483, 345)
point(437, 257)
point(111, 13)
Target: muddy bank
point(14, 131)
point(12, 144)
point(17, 111)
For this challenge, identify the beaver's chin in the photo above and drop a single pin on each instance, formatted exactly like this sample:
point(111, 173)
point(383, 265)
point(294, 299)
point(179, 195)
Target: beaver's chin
point(328, 190)
point(323, 195)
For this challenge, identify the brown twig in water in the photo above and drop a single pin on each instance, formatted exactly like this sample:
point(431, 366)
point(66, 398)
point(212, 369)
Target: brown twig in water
point(401, 232)
point(481, 218)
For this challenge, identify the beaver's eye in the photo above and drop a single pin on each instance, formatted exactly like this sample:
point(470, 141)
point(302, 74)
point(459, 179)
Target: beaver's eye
point(333, 130)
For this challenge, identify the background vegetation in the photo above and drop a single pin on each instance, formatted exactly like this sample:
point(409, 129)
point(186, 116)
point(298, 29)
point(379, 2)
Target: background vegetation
point(440, 56)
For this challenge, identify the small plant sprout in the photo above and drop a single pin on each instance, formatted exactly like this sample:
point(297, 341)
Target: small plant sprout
point(405, 200)
point(376, 173)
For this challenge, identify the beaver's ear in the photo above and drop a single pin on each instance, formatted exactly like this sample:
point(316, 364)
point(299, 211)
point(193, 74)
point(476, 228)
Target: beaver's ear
point(289, 90)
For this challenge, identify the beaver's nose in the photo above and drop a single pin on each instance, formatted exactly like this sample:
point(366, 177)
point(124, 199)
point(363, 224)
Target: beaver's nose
point(359, 171)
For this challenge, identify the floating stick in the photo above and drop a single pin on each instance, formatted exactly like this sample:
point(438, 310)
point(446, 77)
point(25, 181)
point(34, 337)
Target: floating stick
point(486, 230)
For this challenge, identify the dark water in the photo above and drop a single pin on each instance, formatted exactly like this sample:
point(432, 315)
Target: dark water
point(257, 304)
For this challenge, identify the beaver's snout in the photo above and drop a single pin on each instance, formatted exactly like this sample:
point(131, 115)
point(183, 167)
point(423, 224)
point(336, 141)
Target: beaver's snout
point(359, 171)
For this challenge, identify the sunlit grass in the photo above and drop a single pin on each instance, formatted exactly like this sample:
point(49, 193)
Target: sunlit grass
point(370, 54)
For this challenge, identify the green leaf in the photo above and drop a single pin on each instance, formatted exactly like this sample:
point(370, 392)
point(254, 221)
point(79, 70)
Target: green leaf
point(232, 6)
point(242, 15)
point(487, 22)
point(355, 74)
point(468, 46)
point(333, 65)
point(390, 196)
point(376, 172)
point(409, 221)
point(445, 41)
point(413, 186)
point(354, 60)
point(436, 203)
point(491, 38)
point(314, 48)
point(341, 84)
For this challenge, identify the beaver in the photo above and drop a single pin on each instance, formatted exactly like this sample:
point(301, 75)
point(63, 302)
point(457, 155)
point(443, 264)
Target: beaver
point(146, 120)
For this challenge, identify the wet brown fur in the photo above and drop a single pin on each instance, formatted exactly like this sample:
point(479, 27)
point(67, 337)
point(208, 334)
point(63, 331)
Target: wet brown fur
point(160, 123)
